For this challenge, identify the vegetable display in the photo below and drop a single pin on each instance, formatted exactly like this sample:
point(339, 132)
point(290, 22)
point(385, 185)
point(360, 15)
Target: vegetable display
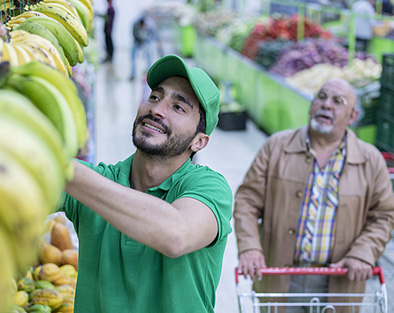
point(359, 73)
point(280, 28)
point(305, 54)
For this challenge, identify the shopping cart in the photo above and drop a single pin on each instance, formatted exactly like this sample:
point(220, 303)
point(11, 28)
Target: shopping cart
point(376, 301)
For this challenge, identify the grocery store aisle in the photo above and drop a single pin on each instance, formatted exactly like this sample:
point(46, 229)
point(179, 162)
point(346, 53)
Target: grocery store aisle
point(117, 100)
point(229, 152)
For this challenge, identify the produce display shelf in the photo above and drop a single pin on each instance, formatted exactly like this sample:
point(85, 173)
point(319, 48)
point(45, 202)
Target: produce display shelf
point(271, 103)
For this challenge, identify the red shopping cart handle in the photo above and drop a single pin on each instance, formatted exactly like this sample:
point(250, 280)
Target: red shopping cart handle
point(376, 271)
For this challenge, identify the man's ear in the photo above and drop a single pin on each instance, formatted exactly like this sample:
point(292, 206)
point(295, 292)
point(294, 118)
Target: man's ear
point(199, 142)
point(353, 116)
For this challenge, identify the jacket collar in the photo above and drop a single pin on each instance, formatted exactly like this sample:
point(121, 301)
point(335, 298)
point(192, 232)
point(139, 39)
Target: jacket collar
point(354, 155)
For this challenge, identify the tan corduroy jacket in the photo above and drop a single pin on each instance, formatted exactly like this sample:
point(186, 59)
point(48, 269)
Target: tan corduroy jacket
point(267, 206)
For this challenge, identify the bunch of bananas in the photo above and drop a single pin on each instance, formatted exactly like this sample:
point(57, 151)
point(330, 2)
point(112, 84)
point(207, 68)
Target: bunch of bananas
point(42, 127)
point(25, 47)
point(50, 31)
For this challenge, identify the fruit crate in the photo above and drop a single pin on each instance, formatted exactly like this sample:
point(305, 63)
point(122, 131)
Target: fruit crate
point(385, 132)
point(387, 76)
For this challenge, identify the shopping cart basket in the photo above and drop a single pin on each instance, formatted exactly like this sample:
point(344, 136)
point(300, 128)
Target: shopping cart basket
point(389, 157)
point(377, 301)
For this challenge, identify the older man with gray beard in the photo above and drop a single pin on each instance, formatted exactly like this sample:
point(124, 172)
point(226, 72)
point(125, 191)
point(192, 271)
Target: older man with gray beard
point(315, 197)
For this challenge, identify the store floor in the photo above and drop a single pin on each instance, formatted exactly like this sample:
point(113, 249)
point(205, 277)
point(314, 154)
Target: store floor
point(228, 152)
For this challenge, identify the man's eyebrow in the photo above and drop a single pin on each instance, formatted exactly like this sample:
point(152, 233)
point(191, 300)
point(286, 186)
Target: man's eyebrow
point(178, 96)
point(158, 89)
point(175, 95)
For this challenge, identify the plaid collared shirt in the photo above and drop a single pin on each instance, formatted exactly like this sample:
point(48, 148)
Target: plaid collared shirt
point(317, 217)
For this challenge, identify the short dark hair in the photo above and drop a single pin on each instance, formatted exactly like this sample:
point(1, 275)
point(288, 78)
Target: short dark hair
point(201, 127)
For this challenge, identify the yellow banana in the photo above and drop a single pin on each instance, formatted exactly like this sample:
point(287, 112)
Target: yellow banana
point(17, 34)
point(12, 24)
point(14, 104)
point(89, 5)
point(25, 15)
point(9, 54)
point(84, 13)
point(53, 56)
point(29, 52)
point(60, 6)
point(52, 103)
point(7, 5)
point(67, 88)
point(20, 18)
point(30, 150)
point(23, 56)
point(67, 42)
point(71, 23)
point(41, 54)
point(44, 51)
point(23, 210)
point(68, 5)
point(35, 28)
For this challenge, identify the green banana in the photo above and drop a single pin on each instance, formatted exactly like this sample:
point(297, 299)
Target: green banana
point(69, 21)
point(81, 58)
point(66, 87)
point(18, 106)
point(67, 42)
point(84, 14)
point(30, 150)
point(35, 28)
point(22, 211)
point(52, 103)
point(60, 6)
point(89, 6)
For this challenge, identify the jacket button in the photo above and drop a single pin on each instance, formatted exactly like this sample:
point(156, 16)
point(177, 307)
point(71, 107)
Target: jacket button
point(308, 159)
point(291, 231)
point(299, 194)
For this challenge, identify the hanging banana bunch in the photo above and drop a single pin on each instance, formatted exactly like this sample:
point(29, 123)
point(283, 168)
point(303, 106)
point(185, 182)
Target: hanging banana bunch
point(62, 25)
point(42, 121)
point(42, 127)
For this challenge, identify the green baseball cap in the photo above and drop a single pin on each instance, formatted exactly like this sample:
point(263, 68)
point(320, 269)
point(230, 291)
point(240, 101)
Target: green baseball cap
point(203, 86)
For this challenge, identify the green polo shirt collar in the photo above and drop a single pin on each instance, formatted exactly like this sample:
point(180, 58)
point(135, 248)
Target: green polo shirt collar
point(125, 170)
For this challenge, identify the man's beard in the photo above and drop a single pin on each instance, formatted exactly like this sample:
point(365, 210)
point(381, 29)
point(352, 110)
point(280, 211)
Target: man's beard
point(321, 128)
point(173, 146)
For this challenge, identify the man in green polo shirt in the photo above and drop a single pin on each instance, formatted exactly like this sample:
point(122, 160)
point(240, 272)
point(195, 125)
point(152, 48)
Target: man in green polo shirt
point(152, 229)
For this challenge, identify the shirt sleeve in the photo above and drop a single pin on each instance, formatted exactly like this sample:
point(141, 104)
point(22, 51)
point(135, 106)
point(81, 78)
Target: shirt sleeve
point(69, 205)
point(212, 189)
